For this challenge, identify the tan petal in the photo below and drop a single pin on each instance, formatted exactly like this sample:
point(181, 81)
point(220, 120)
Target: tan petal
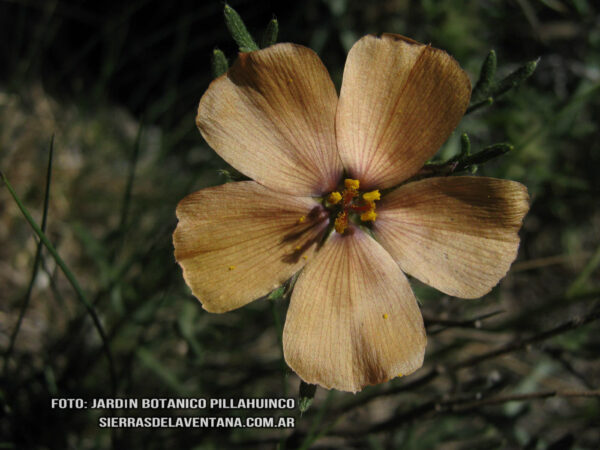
point(271, 116)
point(238, 241)
point(457, 234)
point(399, 102)
point(353, 319)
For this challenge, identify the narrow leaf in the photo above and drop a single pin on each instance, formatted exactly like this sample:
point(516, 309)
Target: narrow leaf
point(515, 78)
point(238, 30)
point(491, 152)
point(270, 36)
point(486, 102)
point(465, 145)
point(486, 78)
point(219, 64)
point(276, 294)
point(307, 394)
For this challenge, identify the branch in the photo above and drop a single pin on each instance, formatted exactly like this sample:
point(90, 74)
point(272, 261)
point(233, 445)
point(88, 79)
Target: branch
point(434, 373)
point(519, 344)
point(462, 405)
point(459, 406)
point(445, 323)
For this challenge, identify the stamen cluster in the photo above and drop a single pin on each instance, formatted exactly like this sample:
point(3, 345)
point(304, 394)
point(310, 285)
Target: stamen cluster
point(350, 201)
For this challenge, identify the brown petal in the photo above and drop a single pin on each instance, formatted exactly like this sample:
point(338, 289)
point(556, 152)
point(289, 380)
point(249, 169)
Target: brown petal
point(238, 241)
point(399, 102)
point(353, 319)
point(457, 234)
point(271, 116)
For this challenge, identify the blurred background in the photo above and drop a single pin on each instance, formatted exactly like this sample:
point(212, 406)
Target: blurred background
point(117, 85)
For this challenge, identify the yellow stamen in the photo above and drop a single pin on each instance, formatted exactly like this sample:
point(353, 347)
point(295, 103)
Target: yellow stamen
point(400, 375)
point(305, 257)
point(302, 219)
point(231, 267)
point(368, 216)
point(351, 184)
point(385, 316)
point(341, 222)
point(372, 196)
point(298, 248)
point(334, 198)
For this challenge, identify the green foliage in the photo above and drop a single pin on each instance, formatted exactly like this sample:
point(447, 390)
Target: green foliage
point(487, 90)
point(238, 30)
point(306, 396)
point(276, 294)
point(486, 78)
point(219, 63)
point(270, 35)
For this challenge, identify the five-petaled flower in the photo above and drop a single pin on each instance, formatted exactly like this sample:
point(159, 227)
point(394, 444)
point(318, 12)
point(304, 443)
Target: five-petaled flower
point(329, 199)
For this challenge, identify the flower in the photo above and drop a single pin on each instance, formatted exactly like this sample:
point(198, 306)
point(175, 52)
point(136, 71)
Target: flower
point(321, 201)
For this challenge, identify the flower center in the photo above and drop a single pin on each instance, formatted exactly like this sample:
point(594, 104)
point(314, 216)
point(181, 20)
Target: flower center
point(351, 202)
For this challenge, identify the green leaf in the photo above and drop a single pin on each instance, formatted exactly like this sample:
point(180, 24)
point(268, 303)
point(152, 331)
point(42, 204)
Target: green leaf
point(270, 36)
point(231, 175)
point(515, 78)
point(486, 91)
point(238, 30)
point(487, 102)
point(465, 145)
point(491, 152)
point(307, 394)
point(276, 294)
point(219, 64)
point(486, 78)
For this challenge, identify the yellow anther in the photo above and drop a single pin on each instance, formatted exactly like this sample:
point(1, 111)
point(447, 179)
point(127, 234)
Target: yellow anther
point(351, 184)
point(341, 222)
point(305, 257)
point(385, 316)
point(334, 198)
point(399, 375)
point(368, 216)
point(298, 248)
point(372, 196)
point(231, 267)
point(302, 219)
point(290, 80)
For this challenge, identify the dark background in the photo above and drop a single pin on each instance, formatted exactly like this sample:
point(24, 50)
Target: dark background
point(95, 75)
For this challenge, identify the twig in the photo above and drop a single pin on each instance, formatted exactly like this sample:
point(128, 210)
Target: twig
point(462, 404)
point(556, 354)
point(537, 263)
point(469, 323)
point(434, 373)
point(519, 344)
point(468, 406)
